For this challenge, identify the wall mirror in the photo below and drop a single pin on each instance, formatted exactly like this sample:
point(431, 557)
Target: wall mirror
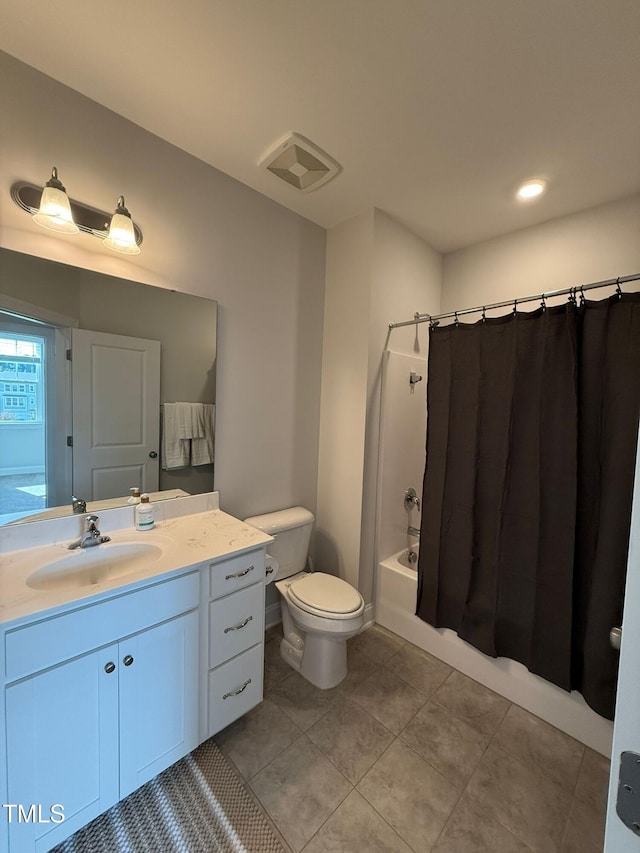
point(87, 362)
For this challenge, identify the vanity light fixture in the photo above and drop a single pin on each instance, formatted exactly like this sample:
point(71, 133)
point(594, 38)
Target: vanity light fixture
point(122, 237)
point(53, 209)
point(531, 189)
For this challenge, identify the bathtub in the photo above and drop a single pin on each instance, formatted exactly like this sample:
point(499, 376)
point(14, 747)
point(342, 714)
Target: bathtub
point(395, 607)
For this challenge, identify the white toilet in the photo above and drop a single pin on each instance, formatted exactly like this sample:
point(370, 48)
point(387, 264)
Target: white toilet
point(320, 612)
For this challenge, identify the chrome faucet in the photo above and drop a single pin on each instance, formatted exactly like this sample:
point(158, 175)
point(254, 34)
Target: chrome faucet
point(78, 504)
point(91, 535)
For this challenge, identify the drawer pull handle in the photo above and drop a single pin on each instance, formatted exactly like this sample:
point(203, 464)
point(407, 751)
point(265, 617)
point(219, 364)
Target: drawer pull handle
point(127, 660)
point(109, 667)
point(239, 690)
point(238, 627)
point(239, 574)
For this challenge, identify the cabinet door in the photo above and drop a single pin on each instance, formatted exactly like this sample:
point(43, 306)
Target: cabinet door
point(62, 725)
point(158, 699)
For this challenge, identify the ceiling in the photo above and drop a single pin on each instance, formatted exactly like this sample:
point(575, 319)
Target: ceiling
point(435, 109)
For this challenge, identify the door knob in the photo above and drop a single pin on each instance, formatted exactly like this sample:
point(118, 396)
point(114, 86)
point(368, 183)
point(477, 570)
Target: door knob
point(109, 667)
point(615, 637)
point(127, 660)
point(153, 455)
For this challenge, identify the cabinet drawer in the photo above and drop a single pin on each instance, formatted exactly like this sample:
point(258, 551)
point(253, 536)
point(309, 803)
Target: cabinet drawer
point(39, 645)
point(235, 623)
point(233, 574)
point(234, 688)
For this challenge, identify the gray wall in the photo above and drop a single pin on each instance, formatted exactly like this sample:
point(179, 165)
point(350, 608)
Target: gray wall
point(377, 272)
point(594, 245)
point(205, 234)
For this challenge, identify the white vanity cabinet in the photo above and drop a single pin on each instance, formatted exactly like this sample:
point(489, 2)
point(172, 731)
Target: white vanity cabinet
point(104, 685)
point(98, 700)
point(233, 640)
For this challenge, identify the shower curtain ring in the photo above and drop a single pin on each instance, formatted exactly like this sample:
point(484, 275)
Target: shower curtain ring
point(543, 304)
point(456, 321)
point(582, 299)
point(618, 288)
point(484, 314)
point(515, 307)
point(572, 296)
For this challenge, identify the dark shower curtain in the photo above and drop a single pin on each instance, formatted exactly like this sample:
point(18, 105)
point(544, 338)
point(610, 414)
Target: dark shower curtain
point(531, 438)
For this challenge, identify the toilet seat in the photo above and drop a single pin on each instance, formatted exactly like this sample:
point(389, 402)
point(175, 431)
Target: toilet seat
point(326, 596)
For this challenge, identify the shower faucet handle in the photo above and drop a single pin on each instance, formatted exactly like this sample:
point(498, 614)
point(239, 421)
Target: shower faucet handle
point(411, 499)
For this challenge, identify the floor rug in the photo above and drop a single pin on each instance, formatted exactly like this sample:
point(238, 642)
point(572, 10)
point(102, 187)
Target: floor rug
point(196, 806)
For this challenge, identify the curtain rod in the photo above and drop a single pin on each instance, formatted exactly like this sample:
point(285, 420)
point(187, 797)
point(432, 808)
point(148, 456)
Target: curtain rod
point(567, 291)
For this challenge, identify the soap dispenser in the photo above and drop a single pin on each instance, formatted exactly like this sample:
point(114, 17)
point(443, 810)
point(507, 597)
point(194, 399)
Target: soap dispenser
point(135, 495)
point(144, 513)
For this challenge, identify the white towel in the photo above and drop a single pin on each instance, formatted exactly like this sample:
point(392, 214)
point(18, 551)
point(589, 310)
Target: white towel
point(189, 419)
point(174, 450)
point(202, 446)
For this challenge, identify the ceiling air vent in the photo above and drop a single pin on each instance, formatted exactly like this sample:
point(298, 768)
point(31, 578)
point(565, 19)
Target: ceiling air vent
point(300, 163)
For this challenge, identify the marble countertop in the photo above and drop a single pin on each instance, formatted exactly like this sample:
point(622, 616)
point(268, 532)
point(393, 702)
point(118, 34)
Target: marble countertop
point(184, 541)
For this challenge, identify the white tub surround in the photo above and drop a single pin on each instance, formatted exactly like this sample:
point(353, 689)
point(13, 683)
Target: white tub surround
point(108, 683)
point(402, 449)
point(395, 610)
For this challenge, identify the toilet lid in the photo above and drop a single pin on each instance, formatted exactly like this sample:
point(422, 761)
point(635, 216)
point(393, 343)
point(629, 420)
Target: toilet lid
point(327, 593)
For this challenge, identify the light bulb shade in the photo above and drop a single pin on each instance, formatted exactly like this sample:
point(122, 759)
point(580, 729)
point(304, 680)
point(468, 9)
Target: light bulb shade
point(55, 210)
point(122, 237)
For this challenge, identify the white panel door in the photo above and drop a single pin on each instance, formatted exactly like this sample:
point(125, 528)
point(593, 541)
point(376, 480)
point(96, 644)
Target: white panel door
point(116, 414)
point(626, 731)
point(62, 731)
point(158, 699)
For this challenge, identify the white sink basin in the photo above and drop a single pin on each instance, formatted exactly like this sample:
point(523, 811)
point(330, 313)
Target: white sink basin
point(97, 564)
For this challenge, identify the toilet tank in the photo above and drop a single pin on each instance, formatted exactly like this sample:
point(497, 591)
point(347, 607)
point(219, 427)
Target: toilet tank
point(291, 529)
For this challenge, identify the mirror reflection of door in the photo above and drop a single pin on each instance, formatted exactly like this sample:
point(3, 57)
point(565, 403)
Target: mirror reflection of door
point(116, 414)
point(113, 425)
point(32, 474)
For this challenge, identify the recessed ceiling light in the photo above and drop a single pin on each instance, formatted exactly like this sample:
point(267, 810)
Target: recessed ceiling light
point(531, 189)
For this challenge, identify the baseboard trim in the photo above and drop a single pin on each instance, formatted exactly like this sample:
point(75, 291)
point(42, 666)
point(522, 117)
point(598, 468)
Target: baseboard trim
point(272, 615)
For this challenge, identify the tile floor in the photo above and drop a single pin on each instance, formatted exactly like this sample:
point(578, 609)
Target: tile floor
point(408, 754)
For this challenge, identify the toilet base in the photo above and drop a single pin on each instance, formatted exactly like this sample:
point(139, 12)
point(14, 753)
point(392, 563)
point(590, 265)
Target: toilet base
point(319, 657)
point(322, 661)
point(291, 654)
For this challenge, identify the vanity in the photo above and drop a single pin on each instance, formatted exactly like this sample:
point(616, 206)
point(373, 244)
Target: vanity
point(119, 659)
